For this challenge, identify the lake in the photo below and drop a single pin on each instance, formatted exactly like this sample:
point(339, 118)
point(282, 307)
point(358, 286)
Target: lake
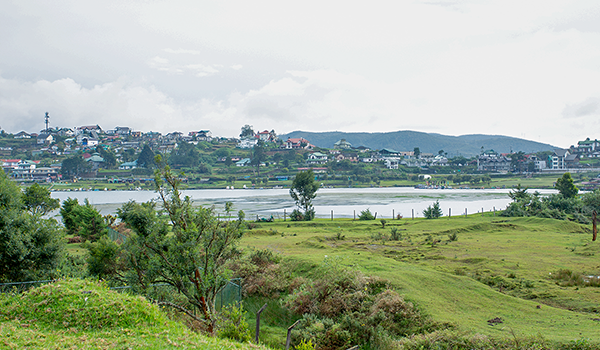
point(344, 202)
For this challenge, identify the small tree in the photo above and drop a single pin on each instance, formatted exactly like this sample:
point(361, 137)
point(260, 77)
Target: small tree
point(37, 200)
point(83, 220)
point(366, 215)
point(187, 248)
point(146, 158)
point(565, 186)
point(303, 191)
point(433, 211)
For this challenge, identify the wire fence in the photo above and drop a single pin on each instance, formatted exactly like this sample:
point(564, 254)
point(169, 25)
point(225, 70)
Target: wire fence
point(20, 287)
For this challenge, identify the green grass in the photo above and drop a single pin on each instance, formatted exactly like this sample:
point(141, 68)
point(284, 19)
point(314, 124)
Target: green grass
point(497, 267)
point(79, 314)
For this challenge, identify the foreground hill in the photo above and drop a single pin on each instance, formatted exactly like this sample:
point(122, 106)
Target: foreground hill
point(406, 140)
point(77, 314)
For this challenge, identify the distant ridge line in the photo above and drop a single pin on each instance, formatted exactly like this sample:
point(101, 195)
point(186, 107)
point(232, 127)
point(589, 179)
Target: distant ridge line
point(406, 140)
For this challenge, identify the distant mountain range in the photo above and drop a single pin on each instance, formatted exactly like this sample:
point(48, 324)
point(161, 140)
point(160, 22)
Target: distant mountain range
point(406, 140)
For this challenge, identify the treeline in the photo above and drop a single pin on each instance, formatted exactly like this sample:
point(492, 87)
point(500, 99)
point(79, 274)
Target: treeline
point(566, 205)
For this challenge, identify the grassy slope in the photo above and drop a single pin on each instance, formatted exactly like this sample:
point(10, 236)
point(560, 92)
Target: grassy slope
point(76, 314)
point(439, 278)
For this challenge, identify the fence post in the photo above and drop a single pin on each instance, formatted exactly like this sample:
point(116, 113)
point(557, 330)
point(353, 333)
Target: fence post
point(283, 214)
point(258, 322)
point(393, 214)
point(449, 212)
point(354, 214)
point(413, 214)
point(332, 215)
point(594, 227)
point(494, 211)
point(466, 212)
point(289, 335)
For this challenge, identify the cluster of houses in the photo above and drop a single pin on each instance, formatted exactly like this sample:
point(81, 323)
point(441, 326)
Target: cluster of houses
point(120, 139)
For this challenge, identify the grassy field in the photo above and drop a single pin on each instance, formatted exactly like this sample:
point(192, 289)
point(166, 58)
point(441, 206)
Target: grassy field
point(464, 270)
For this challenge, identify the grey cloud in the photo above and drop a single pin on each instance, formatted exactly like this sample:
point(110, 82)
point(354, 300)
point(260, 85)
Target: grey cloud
point(590, 106)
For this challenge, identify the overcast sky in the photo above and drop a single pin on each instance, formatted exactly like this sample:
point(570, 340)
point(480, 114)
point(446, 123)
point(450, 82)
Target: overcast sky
point(528, 69)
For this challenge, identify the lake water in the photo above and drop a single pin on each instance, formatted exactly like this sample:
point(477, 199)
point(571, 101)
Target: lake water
point(343, 201)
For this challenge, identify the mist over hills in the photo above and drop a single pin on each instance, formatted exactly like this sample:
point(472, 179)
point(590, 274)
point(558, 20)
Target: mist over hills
point(406, 140)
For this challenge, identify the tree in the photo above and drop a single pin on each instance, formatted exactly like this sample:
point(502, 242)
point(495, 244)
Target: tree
point(146, 158)
point(247, 131)
point(83, 220)
point(185, 155)
point(109, 156)
point(565, 186)
point(417, 152)
point(258, 155)
point(186, 248)
point(433, 211)
point(303, 191)
point(519, 193)
point(30, 247)
point(74, 166)
point(37, 200)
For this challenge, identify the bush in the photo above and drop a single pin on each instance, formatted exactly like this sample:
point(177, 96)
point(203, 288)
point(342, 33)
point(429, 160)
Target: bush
point(296, 215)
point(231, 323)
point(366, 215)
point(394, 234)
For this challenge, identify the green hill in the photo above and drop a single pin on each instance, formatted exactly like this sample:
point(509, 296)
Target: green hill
point(406, 140)
point(81, 314)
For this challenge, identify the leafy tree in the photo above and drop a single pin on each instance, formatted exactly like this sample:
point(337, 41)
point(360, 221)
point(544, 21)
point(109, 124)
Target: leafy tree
point(83, 220)
point(185, 155)
point(187, 248)
point(247, 131)
point(109, 156)
point(433, 211)
point(30, 247)
point(128, 155)
point(565, 186)
point(74, 166)
point(223, 152)
point(37, 200)
point(303, 191)
point(146, 158)
point(417, 152)
point(258, 155)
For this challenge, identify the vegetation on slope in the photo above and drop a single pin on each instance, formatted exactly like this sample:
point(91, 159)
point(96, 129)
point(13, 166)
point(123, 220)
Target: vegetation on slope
point(84, 314)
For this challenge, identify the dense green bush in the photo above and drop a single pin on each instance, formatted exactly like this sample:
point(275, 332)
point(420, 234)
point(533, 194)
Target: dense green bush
point(366, 215)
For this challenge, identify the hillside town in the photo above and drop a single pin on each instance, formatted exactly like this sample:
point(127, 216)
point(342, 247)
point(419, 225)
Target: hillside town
point(62, 153)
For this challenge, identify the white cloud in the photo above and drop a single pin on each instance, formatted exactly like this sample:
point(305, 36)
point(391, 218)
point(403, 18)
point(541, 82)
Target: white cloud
point(183, 51)
point(197, 69)
point(588, 108)
point(451, 67)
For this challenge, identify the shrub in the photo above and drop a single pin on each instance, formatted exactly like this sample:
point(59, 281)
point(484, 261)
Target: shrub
point(296, 215)
point(231, 323)
point(366, 215)
point(394, 234)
